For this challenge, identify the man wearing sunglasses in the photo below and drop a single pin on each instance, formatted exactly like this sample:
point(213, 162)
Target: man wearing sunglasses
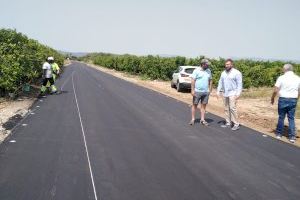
point(201, 87)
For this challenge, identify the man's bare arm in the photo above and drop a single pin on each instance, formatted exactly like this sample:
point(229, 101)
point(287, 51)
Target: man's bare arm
point(275, 92)
point(210, 85)
point(193, 87)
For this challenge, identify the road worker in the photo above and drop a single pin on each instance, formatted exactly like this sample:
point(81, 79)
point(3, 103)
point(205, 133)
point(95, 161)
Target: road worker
point(55, 68)
point(48, 77)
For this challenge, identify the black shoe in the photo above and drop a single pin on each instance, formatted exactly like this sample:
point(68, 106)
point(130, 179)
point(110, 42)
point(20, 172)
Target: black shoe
point(55, 92)
point(41, 96)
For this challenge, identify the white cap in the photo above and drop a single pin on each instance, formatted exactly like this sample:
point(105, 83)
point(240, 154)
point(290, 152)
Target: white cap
point(50, 58)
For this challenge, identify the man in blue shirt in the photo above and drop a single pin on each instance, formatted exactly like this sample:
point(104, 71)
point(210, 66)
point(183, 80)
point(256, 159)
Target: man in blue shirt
point(201, 87)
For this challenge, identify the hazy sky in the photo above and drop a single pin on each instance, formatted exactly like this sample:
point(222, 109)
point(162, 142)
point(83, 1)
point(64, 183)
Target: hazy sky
point(226, 28)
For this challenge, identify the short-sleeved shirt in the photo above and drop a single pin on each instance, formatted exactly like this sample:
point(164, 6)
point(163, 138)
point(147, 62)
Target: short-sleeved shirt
point(55, 67)
point(202, 78)
point(48, 68)
point(288, 85)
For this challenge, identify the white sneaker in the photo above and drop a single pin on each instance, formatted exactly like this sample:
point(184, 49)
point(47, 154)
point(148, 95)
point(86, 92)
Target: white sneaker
point(235, 127)
point(227, 125)
point(292, 140)
point(278, 136)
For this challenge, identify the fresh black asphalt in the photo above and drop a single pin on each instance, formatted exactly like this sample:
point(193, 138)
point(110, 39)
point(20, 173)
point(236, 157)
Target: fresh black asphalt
point(109, 139)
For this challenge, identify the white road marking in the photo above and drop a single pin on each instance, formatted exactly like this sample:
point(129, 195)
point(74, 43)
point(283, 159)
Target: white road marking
point(37, 106)
point(12, 141)
point(21, 121)
point(264, 135)
point(83, 135)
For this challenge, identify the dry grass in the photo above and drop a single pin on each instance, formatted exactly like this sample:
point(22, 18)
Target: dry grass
point(257, 93)
point(263, 93)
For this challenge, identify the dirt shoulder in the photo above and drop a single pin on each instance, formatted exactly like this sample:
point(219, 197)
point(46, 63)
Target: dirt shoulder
point(11, 112)
point(255, 112)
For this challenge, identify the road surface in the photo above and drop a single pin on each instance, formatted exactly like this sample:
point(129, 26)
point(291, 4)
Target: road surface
point(104, 138)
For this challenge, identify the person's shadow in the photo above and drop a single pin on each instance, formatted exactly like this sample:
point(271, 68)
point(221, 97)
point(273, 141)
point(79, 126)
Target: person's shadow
point(62, 92)
point(222, 122)
point(286, 132)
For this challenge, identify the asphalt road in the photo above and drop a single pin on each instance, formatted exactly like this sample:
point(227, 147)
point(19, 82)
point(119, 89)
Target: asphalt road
point(104, 138)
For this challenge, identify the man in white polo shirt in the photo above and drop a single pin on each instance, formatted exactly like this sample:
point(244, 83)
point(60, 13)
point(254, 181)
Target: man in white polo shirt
point(287, 86)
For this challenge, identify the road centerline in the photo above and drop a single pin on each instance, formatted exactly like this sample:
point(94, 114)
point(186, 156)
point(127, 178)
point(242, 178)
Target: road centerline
point(84, 139)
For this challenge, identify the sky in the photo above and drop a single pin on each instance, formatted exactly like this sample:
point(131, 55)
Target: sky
point(268, 29)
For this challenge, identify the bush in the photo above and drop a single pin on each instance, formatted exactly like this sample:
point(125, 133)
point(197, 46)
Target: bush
point(255, 73)
point(21, 60)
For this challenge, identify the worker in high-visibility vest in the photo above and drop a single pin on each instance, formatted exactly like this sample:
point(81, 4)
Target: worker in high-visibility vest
point(48, 77)
point(55, 68)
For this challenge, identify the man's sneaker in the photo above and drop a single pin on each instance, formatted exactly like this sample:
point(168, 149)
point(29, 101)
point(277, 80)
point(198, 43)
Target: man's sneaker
point(278, 136)
point(192, 122)
point(292, 140)
point(227, 125)
point(205, 123)
point(235, 127)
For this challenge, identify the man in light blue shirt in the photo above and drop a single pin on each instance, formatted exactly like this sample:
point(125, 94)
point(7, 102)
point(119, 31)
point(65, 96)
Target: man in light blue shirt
point(201, 87)
point(230, 84)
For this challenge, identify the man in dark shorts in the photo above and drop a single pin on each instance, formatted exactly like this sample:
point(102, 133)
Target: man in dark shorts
point(201, 87)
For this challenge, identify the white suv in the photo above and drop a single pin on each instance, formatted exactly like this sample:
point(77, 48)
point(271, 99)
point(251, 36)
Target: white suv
point(181, 78)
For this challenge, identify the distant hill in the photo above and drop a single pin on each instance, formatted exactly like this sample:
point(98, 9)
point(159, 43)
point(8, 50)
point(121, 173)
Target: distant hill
point(265, 59)
point(79, 54)
point(167, 55)
point(76, 54)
